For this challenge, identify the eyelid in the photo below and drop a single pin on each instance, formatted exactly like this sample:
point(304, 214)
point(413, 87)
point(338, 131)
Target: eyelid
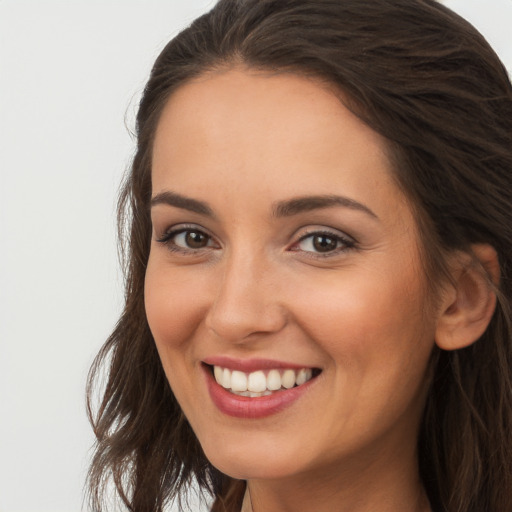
point(174, 230)
point(178, 228)
point(347, 241)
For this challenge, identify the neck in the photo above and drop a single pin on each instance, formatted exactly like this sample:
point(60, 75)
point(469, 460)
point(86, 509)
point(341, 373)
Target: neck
point(386, 486)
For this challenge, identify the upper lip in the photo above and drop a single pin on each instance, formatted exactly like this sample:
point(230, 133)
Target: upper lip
point(251, 365)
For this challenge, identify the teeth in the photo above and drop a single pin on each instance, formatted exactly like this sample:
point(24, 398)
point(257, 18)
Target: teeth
point(303, 376)
point(273, 380)
point(239, 381)
point(217, 372)
point(256, 384)
point(288, 379)
point(226, 378)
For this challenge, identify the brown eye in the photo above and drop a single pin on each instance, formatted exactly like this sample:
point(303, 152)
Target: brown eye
point(195, 239)
point(324, 243)
point(187, 240)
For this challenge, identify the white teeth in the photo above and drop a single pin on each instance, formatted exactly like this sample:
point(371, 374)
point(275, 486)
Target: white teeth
point(302, 376)
point(288, 379)
point(256, 384)
point(226, 379)
point(217, 372)
point(273, 380)
point(243, 393)
point(238, 381)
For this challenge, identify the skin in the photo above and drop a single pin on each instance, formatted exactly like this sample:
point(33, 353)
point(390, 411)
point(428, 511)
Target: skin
point(242, 141)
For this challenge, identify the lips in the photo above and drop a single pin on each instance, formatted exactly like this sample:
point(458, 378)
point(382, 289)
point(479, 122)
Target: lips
point(255, 389)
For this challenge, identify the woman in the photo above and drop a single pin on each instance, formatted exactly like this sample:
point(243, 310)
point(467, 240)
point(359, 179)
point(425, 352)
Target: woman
point(318, 266)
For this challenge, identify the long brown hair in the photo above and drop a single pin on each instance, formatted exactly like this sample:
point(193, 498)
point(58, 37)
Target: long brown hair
point(430, 84)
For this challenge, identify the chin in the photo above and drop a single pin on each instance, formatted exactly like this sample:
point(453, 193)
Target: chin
point(252, 470)
point(249, 461)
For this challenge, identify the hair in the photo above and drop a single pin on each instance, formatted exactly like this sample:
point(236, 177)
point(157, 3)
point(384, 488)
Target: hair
point(428, 82)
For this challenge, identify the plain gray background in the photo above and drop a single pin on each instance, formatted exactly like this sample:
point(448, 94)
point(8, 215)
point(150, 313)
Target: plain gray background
point(71, 73)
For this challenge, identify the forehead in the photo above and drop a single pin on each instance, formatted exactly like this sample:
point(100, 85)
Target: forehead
point(254, 132)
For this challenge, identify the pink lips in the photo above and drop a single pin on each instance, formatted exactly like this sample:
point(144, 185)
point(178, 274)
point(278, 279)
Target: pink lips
point(246, 407)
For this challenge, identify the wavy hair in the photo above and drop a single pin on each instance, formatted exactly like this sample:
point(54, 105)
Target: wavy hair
point(427, 81)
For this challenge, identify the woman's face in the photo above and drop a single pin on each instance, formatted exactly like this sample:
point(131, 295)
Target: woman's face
point(283, 251)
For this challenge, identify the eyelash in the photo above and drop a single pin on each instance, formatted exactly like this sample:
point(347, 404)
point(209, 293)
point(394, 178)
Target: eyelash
point(167, 239)
point(347, 243)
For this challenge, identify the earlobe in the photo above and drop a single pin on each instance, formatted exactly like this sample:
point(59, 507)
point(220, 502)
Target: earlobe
point(470, 300)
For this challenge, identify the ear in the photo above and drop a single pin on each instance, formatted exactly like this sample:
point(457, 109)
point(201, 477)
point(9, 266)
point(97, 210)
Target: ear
point(469, 299)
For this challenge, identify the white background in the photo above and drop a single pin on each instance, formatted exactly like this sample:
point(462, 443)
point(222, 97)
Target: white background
point(71, 72)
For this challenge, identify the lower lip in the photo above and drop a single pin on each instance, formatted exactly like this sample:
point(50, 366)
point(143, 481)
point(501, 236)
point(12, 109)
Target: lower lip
point(253, 408)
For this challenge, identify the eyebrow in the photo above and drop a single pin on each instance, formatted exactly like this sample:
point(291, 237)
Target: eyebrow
point(286, 208)
point(183, 202)
point(308, 203)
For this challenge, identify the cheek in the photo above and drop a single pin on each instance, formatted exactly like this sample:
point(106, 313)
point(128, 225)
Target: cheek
point(379, 346)
point(174, 305)
point(174, 309)
point(369, 321)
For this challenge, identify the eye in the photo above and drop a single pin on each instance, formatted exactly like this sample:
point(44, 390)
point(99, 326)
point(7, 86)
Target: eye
point(186, 239)
point(323, 243)
point(190, 239)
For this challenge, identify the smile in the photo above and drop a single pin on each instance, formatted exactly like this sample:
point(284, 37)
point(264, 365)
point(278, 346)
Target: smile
point(256, 389)
point(260, 383)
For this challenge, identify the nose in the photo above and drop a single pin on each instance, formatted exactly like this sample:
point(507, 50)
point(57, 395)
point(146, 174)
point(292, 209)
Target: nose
point(246, 301)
